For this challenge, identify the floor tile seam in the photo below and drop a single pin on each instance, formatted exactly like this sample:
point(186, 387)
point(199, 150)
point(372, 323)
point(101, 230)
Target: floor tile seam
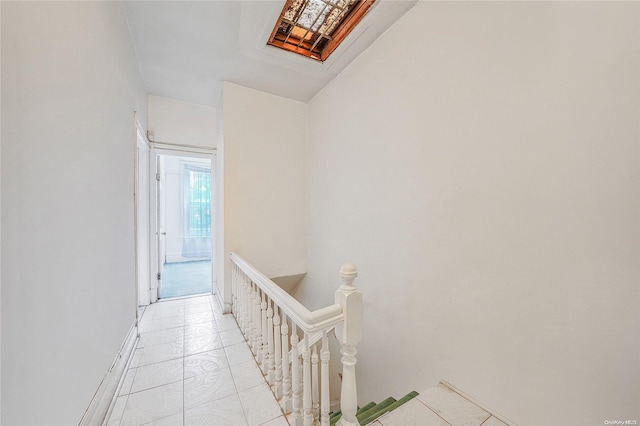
point(434, 412)
point(158, 344)
point(175, 311)
point(162, 418)
point(203, 351)
point(132, 380)
point(126, 401)
point(275, 398)
point(235, 386)
point(159, 386)
point(487, 419)
point(469, 401)
point(158, 362)
point(200, 335)
point(161, 329)
point(244, 415)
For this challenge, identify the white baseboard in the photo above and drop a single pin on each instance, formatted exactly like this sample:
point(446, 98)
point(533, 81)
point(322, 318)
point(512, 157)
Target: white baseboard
point(102, 403)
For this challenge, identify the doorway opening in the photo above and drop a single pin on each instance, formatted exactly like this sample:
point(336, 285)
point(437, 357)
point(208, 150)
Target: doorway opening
point(184, 224)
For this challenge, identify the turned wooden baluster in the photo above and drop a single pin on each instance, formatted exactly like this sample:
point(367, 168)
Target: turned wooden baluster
point(306, 382)
point(349, 334)
point(234, 288)
point(263, 335)
point(247, 310)
point(295, 377)
point(245, 301)
point(251, 308)
point(277, 389)
point(315, 406)
point(270, 348)
point(325, 403)
point(286, 372)
point(239, 299)
point(257, 325)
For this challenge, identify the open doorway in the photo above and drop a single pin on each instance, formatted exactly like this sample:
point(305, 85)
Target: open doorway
point(184, 200)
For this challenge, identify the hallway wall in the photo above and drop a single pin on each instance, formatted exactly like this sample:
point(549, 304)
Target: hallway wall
point(181, 123)
point(262, 150)
point(480, 165)
point(70, 85)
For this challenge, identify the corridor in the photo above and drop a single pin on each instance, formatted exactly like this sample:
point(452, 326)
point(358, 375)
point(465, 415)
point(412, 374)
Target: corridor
point(192, 367)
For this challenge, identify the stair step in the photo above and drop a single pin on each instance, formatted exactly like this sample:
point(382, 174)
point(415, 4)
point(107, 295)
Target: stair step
point(368, 413)
point(381, 406)
point(365, 407)
point(336, 414)
point(378, 413)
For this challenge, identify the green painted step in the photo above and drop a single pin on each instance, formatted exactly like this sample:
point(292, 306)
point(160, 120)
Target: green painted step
point(333, 417)
point(378, 413)
point(372, 411)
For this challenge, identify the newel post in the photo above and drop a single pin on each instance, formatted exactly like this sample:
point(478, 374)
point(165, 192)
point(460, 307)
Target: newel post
point(349, 334)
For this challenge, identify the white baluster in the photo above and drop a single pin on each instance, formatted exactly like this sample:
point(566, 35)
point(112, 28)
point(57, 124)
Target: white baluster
point(295, 378)
point(277, 390)
point(270, 348)
point(250, 308)
point(239, 298)
point(246, 323)
point(243, 305)
point(257, 326)
point(263, 333)
point(244, 314)
point(286, 372)
point(234, 290)
point(349, 334)
point(325, 403)
point(315, 406)
point(306, 382)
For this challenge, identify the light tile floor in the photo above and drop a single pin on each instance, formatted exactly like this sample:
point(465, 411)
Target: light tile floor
point(192, 367)
point(439, 406)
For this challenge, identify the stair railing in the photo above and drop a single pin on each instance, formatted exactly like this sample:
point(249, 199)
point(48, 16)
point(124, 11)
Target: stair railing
point(271, 320)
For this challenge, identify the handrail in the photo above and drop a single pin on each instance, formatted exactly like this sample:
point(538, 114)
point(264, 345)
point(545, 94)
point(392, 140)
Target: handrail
point(300, 378)
point(308, 321)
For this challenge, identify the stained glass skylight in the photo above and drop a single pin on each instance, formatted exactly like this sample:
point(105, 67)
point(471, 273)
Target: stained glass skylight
point(315, 28)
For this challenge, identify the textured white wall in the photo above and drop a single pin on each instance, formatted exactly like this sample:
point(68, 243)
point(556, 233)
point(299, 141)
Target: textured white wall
point(0, 213)
point(479, 164)
point(264, 181)
point(181, 122)
point(70, 85)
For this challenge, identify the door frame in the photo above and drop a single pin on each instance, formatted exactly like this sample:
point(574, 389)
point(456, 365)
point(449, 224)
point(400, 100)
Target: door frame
point(163, 148)
point(141, 197)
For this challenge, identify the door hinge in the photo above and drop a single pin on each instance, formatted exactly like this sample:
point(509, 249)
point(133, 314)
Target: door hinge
point(159, 276)
point(158, 177)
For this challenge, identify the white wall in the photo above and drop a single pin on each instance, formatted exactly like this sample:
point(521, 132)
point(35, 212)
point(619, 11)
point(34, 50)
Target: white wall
point(264, 181)
point(70, 86)
point(479, 164)
point(0, 213)
point(181, 122)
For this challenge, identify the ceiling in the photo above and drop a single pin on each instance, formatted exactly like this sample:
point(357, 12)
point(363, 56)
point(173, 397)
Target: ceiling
point(187, 48)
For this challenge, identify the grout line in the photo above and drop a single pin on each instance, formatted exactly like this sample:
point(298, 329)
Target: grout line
point(477, 403)
point(434, 412)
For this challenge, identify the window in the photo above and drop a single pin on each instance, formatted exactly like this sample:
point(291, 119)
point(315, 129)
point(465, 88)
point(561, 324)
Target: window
point(197, 201)
point(315, 28)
